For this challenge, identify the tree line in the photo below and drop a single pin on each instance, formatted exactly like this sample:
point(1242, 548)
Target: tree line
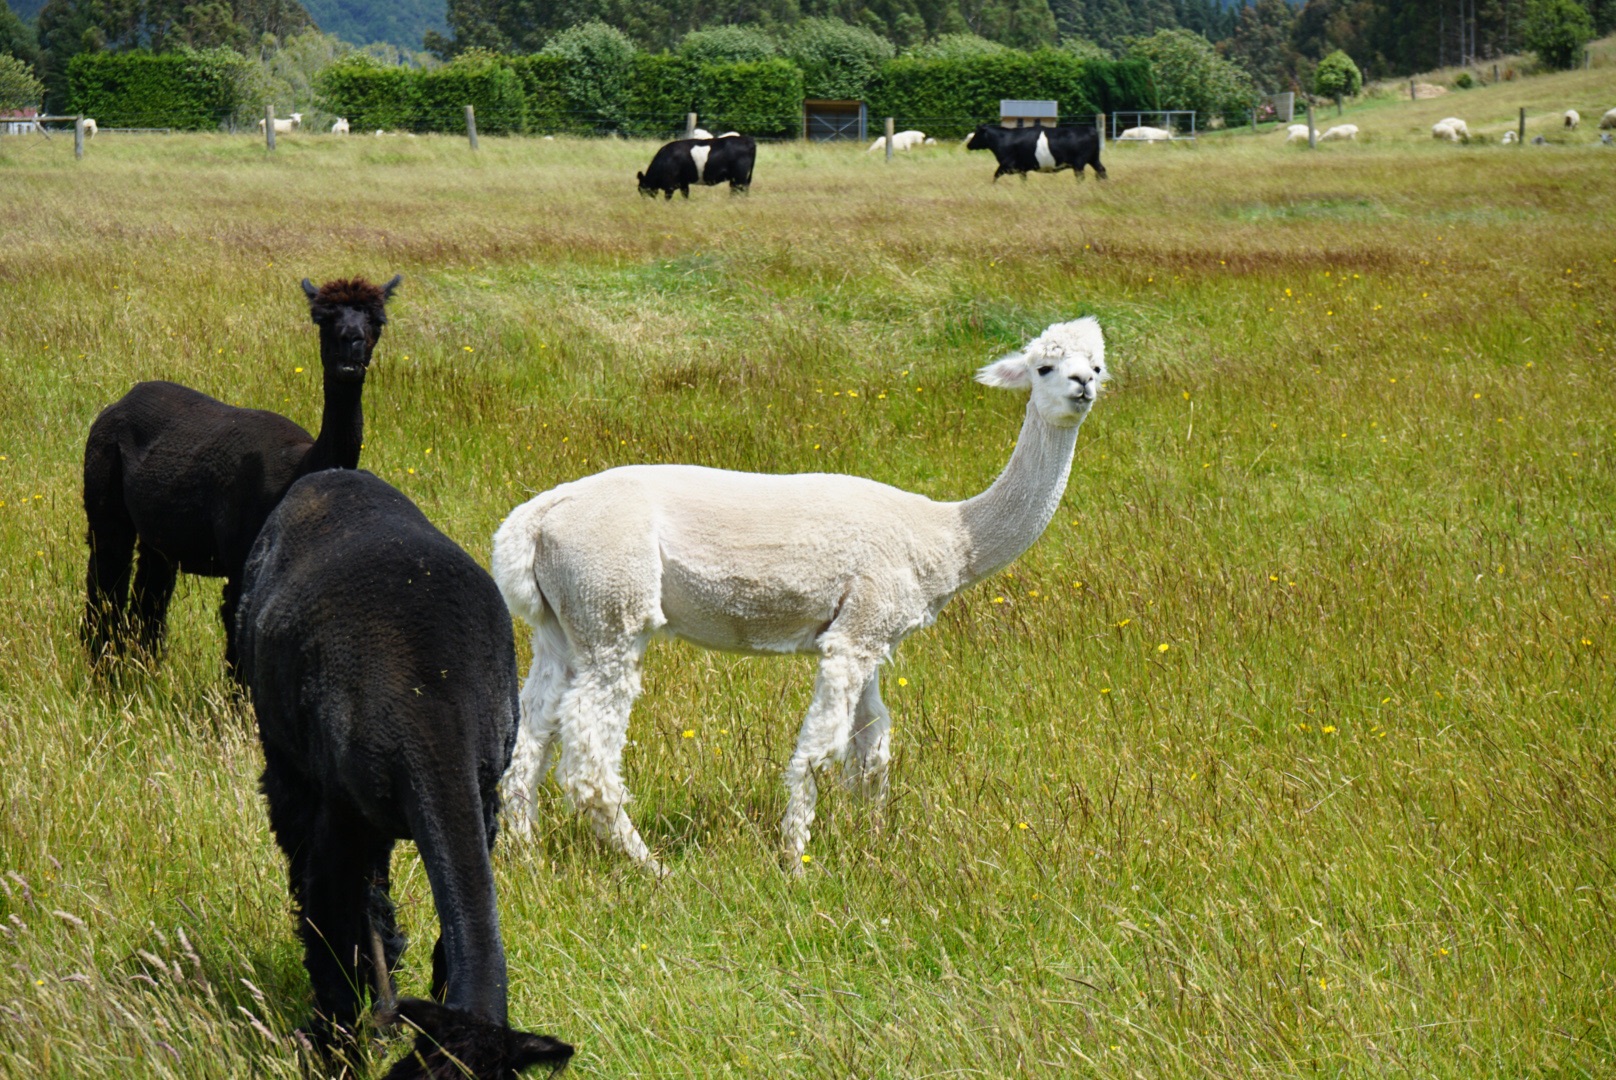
point(1275, 44)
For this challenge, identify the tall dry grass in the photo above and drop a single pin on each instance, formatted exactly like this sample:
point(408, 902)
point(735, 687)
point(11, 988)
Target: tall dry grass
point(1283, 753)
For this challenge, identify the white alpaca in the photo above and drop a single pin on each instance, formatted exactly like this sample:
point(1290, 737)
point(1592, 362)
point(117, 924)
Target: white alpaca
point(1340, 132)
point(1296, 133)
point(838, 566)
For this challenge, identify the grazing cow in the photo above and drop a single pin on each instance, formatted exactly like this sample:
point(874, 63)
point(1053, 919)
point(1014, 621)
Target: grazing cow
point(1025, 150)
point(700, 161)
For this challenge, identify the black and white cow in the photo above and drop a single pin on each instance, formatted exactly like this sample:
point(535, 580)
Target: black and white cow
point(700, 161)
point(1039, 149)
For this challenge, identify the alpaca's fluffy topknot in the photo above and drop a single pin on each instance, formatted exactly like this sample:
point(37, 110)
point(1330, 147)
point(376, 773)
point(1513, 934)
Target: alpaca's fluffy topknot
point(349, 292)
point(353, 293)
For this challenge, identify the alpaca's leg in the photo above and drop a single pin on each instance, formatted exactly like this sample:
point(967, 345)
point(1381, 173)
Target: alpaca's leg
point(383, 921)
point(872, 742)
point(229, 600)
point(538, 732)
point(154, 587)
point(844, 670)
point(112, 550)
point(594, 729)
point(111, 535)
point(337, 874)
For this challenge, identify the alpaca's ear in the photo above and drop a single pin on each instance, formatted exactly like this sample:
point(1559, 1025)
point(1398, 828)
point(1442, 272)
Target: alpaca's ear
point(309, 290)
point(387, 290)
point(1008, 372)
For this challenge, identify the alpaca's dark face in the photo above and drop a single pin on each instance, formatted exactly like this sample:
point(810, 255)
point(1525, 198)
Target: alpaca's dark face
point(347, 338)
point(350, 315)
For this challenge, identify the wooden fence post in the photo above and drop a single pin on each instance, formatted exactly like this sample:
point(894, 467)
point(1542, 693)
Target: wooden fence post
point(471, 126)
point(690, 125)
point(1521, 138)
point(1412, 96)
point(891, 127)
point(1099, 125)
point(269, 126)
point(1312, 135)
point(78, 137)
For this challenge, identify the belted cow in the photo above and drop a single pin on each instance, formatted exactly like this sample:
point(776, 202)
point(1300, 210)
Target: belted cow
point(1039, 149)
point(700, 161)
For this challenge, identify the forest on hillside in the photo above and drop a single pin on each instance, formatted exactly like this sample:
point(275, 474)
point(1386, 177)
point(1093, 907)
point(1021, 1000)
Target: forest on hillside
point(1278, 43)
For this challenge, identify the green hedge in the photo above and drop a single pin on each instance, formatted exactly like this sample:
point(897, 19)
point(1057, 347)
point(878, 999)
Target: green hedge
point(661, 91)
point(369, 94)
point(762, 99)
point(192, 91)
point(492, 89)
point(544, 86)
point(949, 97)
point(372, 96)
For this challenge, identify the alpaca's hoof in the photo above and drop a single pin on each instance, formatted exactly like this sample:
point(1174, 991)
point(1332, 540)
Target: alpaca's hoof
point(656, 869)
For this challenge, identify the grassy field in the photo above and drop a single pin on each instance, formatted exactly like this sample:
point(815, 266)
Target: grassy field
point(1285, 752)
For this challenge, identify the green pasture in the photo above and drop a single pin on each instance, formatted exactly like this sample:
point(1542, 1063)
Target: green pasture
point(1286, 752)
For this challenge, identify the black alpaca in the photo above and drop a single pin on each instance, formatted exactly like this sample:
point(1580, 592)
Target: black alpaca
point(381, 665)
point(189, 480)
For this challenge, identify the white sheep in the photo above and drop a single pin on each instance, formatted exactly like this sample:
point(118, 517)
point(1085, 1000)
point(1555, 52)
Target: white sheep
point(730, 135)
point(699, 133)
point(1145, 134)
point(1444, 130)
point(284, 127)
point(901, 141)
point(1572, 118)
point(1339, 132)
point(1460, 129)
point(1608, 121)
point(340, 127)
point(1296, 133)
point(1509, 137)
point(838, 566)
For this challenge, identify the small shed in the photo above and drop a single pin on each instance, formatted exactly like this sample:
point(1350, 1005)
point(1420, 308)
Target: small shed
point(1014, 114)
point(827, 121)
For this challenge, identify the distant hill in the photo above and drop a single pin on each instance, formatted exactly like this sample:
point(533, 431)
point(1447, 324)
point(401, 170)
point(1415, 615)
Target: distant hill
point(398, 22)
point(361, 22)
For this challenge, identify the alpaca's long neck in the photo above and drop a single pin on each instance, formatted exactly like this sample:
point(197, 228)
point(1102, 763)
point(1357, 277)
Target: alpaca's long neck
point(342, 428)
point(1011, 515)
